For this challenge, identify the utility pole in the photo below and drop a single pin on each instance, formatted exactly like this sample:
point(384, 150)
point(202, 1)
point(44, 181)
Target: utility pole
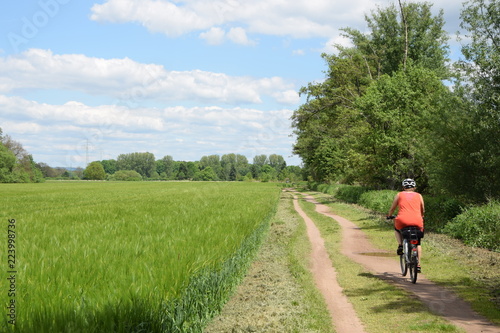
point(87, 153)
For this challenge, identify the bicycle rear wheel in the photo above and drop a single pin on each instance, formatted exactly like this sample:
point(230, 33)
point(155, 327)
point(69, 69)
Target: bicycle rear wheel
point(402, 259)
point(413, 269)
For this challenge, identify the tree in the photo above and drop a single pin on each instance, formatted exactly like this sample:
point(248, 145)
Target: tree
point(329, 126)
point(183, 171)
point(267, 173)
point(94, 171)
point(468, 148)
point(166, 166)
point(109, 166)
point(397, 113)
point(242, 166)
point(7, 163)
point(48, 171)
point(397, 35)
point(24, 169)
point(214, 162)
point(143, 163)
point(207, 174)
point(277, 162)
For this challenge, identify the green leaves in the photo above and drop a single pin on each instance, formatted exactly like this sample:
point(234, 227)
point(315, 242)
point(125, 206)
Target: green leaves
point(94, 171)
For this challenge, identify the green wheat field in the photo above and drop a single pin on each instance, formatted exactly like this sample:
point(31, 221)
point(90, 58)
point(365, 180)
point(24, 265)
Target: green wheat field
point(126, 257)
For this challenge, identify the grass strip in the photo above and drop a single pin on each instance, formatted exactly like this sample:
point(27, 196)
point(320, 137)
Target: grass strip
point(278, 293)
point(299, 249)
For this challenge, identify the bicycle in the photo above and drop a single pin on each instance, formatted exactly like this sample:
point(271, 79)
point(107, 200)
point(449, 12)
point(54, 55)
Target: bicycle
point(409, 260)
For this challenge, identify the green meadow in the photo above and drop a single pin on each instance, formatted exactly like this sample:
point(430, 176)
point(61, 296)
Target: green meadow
point(128, 257)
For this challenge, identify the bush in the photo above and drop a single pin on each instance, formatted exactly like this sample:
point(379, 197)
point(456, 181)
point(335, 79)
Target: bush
point(478, 226)
point(350, 193)
point(378, 201)
point(439, 211)
point(127, 175)
point(347, 193)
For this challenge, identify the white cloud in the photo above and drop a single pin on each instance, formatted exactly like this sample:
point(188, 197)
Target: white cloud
point(300, 18)
point(330, 45)
point(290, 97)
point(157, 16)
point(214, 36)
point(217, 36)
point(239, 36)
point(129, 81)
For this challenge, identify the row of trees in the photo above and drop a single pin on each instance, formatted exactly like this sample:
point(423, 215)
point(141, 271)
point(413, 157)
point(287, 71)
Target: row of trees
point(392, 107)
point(228, 167)
point(17, 166)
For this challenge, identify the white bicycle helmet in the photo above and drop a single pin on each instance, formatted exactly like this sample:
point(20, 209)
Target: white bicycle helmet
point(409, 183)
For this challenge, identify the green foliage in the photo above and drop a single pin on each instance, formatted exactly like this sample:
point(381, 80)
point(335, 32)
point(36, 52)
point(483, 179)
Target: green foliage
point(366, 122)
point(143, 163)
point(165, 166)
point(396, 110)
point(94, 171)
point(378, 201)
point(478, 226)
point(7, 163)
point(126, 175)
point(467, 146)
point(16, 165)
point(207, 174)
point(109, 166)
point(439, 210)
point(350, 193)
point(384, 45)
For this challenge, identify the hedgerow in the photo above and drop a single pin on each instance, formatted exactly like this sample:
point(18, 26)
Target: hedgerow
point(478, 226)
point(378, 201)
point(440, 210)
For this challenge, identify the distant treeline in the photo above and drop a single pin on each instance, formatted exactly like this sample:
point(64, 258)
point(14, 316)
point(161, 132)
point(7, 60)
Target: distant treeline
point(144, 166)
point(18, 166)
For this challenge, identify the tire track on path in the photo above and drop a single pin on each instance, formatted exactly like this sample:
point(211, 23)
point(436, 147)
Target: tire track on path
point(344, 318)
point(438, 299)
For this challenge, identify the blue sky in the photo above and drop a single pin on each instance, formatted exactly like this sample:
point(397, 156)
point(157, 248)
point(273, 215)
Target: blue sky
point(89, 80)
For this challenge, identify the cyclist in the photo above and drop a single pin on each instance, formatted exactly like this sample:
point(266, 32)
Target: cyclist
point(411, 213)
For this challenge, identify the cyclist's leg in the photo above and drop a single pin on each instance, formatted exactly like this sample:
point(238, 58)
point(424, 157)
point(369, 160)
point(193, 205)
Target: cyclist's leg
point(399, 237)
point(419, 247)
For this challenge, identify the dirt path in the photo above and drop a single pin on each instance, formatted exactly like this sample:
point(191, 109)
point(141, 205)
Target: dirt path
point(355, 245)
point(344, 318)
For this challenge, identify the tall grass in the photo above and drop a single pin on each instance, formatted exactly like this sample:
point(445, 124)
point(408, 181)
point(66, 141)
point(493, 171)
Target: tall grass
point(130, 257)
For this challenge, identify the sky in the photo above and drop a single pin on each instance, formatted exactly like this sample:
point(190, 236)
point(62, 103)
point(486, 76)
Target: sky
point(85, 80)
